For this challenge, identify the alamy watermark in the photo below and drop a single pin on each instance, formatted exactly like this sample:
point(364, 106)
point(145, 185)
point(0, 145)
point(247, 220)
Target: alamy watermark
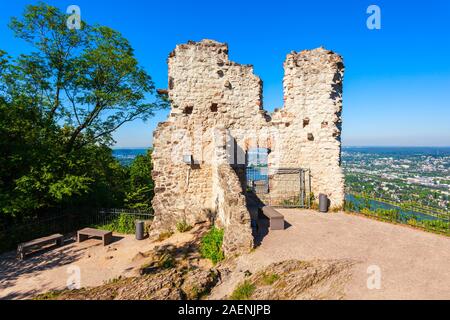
point(74, 278)
point(374, 279)
point(374, 20)
point(74, 20)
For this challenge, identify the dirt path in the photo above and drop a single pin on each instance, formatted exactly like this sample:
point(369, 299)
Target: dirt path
point(414, 264)
point(50, 270)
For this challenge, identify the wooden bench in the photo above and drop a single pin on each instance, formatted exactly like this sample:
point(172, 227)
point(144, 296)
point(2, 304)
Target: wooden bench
point(85, 233)
point(23, 248)
point(276, 218)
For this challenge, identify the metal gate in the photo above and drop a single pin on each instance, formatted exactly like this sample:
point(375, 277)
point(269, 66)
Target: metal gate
point(257, 180)
point(280, 187)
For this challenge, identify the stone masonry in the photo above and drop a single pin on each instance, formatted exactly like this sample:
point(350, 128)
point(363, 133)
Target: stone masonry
point(217, 116)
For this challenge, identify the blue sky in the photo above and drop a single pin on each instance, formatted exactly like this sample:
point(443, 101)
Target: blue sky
point(397, 81)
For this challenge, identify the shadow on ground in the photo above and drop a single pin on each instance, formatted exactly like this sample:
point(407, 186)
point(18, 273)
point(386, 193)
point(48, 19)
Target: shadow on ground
point(11, 268)
point(260, 221)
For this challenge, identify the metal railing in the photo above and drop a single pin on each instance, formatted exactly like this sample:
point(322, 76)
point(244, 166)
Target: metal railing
point(424, 217)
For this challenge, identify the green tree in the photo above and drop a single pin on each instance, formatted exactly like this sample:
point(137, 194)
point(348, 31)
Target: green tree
point(141, 192)
point(59, 106)
point(89, 79)
point(36, 173)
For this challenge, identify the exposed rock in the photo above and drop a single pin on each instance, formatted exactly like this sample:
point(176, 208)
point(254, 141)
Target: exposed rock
point(168, 284)
point(225, 269)
point(157, 263)
point(198, 283)
point(294, 279)
point(161, 286)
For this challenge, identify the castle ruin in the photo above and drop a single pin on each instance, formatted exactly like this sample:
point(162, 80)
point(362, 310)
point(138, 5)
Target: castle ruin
point(216, 117)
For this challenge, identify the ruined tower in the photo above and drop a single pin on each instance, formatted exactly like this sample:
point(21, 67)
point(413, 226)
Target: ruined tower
point(217, 115)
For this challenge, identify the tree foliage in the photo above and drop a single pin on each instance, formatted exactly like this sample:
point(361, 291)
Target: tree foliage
point(88, 79)
point(141, 185)
point(59, 105)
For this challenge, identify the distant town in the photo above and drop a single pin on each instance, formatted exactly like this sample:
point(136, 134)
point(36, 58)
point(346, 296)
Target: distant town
point(418, 175)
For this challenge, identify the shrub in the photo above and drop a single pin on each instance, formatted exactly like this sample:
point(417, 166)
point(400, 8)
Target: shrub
point(183, 226)
point(124, 223)
point(436, 225)
point(395, 215)
point(388, 214)
point(211, 245)
point(243, 291)
point(412, 221)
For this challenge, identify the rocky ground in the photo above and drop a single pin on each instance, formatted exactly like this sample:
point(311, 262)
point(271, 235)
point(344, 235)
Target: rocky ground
point(173, 272)
point(292, 279)
point(169, 284)
point(295, 280)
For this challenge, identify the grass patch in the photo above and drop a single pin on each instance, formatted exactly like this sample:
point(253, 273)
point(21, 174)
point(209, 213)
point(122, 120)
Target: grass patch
point(164, 235)
point(183, 226)
point(243, 291)
point(211, 245)
point(437, 226)
point(51, 295)
point(269, 278)
point(113, 280)
point(124, 224)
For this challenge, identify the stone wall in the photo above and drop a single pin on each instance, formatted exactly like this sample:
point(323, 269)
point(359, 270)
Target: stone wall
point(207, 92)
point(217, 116)
point(310, 122)
point(232, 212)
point(230, 209)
